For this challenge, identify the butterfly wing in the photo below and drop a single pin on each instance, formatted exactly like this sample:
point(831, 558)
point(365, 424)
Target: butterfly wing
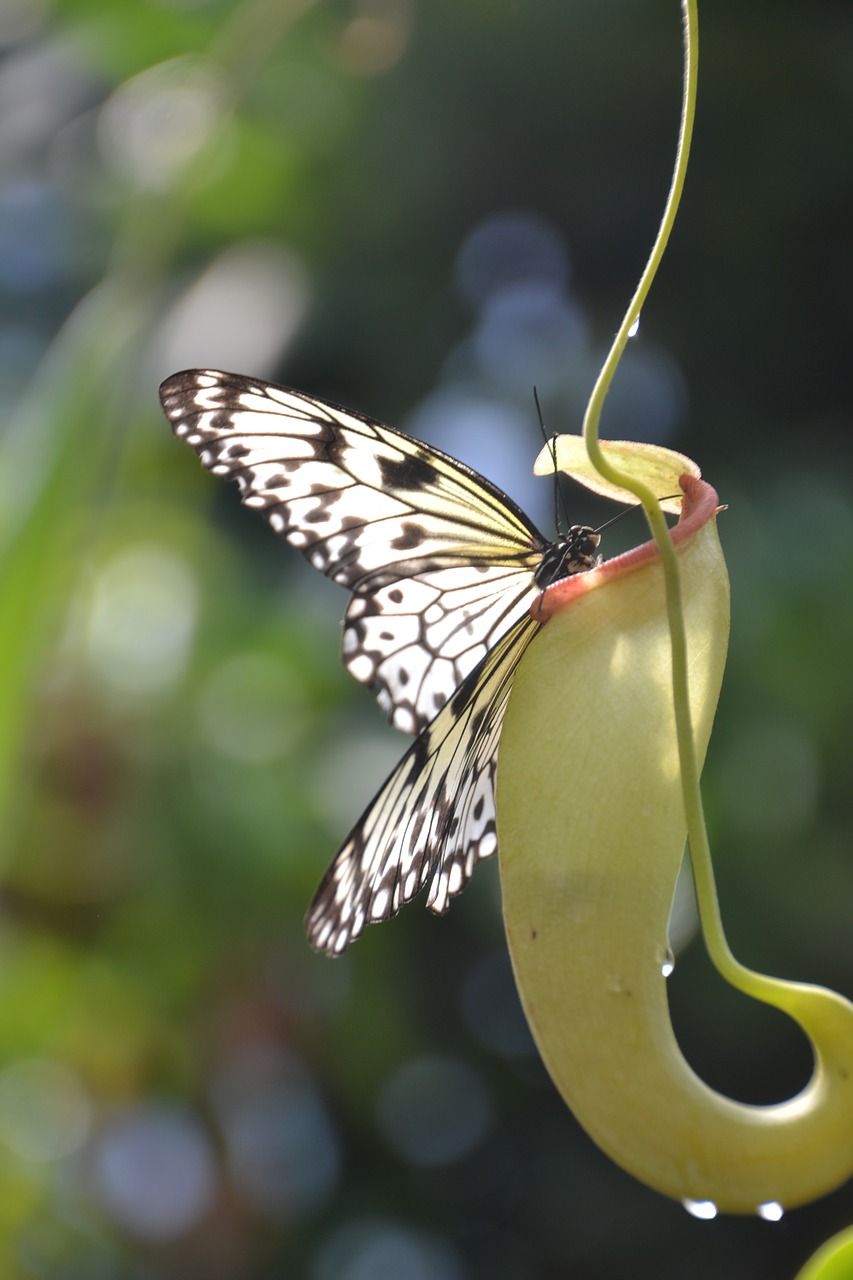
point(415, 640)
point(439, 560)
point(434, 819)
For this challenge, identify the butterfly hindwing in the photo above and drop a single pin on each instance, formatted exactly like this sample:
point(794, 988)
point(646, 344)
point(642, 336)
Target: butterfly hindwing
point(439, 561)
point(414, 641)
point(434, 819)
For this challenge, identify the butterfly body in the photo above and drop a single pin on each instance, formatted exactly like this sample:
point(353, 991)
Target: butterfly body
point(444, 571)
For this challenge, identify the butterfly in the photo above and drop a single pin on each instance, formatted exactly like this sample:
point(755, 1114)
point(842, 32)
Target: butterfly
point(444, 572)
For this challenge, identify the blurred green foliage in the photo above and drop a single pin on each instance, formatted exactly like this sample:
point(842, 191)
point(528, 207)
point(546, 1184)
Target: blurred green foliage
point(308, 190)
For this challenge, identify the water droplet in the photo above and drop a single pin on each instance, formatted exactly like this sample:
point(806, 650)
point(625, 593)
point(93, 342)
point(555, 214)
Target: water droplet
point(771, 1211)
point(704, 1209)
point(668, 962)
point(635, 328)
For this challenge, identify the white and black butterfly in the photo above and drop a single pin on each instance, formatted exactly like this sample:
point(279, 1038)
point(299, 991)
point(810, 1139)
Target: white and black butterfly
point(444, 570)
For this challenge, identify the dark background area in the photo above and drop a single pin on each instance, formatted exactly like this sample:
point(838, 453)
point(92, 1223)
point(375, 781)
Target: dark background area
point(420, 208)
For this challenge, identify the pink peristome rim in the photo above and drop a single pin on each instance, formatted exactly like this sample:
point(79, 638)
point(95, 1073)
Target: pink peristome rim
point(700, 505)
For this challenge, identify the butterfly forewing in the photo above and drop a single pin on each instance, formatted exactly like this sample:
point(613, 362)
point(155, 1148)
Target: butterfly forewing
point(434, 818)
point(377, 512)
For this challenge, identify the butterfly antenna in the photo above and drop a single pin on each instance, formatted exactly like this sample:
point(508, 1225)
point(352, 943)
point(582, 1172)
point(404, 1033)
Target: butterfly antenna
point(627, 511)
point(559, 497)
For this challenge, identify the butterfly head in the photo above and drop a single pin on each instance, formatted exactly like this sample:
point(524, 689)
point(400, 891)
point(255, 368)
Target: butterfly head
point(575, 552)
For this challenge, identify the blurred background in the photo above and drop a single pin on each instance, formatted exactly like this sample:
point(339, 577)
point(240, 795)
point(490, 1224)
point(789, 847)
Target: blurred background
point(420, 208)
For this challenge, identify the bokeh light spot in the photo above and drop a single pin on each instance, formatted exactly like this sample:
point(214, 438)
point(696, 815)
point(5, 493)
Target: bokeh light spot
point(156, 123)
point(141, 619)
point(154, 1171)
point(282, 1148)
point(374, 1250)
point(434, 1110)
point(376, 37)
point(508, 248)
point(259, 281)
point(527, 333)
point(45, 1112)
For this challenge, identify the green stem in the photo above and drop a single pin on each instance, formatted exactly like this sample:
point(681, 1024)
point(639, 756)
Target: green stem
point(635, 306)
point(786, 996)
point(700, 853)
